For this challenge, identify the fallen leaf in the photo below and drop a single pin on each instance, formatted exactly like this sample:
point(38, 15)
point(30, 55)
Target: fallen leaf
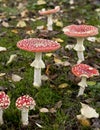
point(83, 121)
point(14, 31)
point(59, 23)
point(24, 13)
point(97, 49)
point(91, 83)
point(58, 104)
point(30, 32)
point(11, 59)
point(57, 61)
point(40, 27)
point(2, 74)
point(52, 110)
point(88, 112)
point(66, 63)
point(58, 40)
point(40, 126)
point(69, 47)
point(41, 2)
point(91, 39)
point(5, 24)
point(64, 85)
point(44, 77)
point(44, 110)
point(2, 49)
point(21, 24)
point(16, 78)
point(49, 54)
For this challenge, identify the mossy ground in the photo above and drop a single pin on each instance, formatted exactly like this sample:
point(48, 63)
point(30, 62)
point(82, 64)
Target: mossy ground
point(49, 94)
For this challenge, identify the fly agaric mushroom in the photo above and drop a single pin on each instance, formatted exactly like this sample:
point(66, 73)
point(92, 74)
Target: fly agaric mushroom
point(84, 71)
point(38, 45)
point(49, 14)
point(4, 104)
point(80, 32)
point(25, 103)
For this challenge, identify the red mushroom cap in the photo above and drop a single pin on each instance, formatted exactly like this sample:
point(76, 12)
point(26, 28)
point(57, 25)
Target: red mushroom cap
point(84, 70)
point(38, 45)
point(51, 11)
point(25, 102)
point(4, 100)
point(80, 30)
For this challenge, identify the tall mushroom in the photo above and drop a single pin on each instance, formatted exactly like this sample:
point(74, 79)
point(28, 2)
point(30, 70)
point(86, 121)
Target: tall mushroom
point(38, 46)
point(25, 103)
point(80, 32)
point(4, 104)
point(49, 14)
point(84, 71)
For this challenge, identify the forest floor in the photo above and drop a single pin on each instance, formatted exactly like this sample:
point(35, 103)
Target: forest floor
point(20, 19)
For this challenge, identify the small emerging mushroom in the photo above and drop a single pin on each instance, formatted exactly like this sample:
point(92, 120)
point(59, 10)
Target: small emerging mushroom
point(4, 104)
point(38, 45)
point(84, 71)
point(25, 103)
point(49, 14)
point(80, 32)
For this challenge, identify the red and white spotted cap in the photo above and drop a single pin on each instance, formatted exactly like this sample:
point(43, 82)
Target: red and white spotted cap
point(25, 101)
point(84, 70)
point(38, 45)
point(4, 100)
point(80, 30)
point(51, 11)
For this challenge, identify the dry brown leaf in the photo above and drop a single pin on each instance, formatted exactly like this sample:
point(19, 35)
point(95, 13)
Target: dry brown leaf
point(47, 70)
point(5, 24)
point(83, 121)
point(44, 110)
point(52, 110)
point(2, 49)
point(58, 104)
point(14, 31)
point(21, 24)
point(16, 78)
point(24, 13)
point(64, 85)
point(30, 32)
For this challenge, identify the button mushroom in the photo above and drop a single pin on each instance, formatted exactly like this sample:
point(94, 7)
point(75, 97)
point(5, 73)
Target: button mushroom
point(25, 103)
point(4, 104)
point(49, 14)
point(38, 45)
point(80, 32)
point(84, 71)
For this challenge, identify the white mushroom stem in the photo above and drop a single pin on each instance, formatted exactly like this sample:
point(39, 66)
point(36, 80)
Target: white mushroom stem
point(37, 64)
point(82, 85)
point(1, 116)
point(79, 47)
point(24, 116)
point(49, 22)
